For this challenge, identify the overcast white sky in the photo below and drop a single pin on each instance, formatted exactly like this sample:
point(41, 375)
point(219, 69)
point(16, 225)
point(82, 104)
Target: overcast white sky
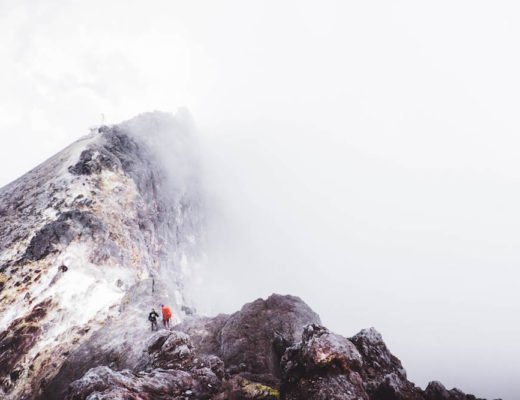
point(364, 155)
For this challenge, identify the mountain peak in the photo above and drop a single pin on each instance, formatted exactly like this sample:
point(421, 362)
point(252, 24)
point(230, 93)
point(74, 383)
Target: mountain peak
point(97, 221)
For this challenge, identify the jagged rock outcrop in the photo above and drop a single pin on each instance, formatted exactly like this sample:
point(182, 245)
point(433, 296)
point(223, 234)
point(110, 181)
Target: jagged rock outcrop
point(383, 375)
point(322, 366)
point(315, 364)
point(270, 326)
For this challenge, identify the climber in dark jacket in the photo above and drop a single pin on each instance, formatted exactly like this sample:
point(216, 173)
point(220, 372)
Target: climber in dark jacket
point(152, 317)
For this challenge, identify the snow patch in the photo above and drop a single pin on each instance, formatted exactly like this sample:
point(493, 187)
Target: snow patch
point(84, 292)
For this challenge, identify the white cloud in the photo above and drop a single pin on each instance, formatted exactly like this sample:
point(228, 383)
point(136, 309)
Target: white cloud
point(365, 153)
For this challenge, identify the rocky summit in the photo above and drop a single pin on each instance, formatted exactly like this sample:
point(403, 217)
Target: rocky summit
point(87, 240)
point(270, 349)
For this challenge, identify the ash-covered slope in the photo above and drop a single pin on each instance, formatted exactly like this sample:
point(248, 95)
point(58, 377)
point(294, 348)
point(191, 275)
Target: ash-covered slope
point(105, 229)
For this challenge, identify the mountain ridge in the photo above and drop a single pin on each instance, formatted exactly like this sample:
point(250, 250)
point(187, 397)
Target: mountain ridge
point(112, 226)
point(270, 349)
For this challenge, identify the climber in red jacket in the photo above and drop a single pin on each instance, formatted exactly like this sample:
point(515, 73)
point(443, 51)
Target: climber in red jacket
point(166, 315)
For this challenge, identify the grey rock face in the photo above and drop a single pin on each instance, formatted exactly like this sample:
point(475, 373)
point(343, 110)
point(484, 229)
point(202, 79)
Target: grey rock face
point(253, 339)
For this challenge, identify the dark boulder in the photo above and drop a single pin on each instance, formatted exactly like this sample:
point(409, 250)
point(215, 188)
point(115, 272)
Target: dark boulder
point(94, 161)
point(61, 232)
point(323, 366)
point(253, 339)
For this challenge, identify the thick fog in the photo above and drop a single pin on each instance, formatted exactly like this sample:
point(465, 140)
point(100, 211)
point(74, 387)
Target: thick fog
point(360, 155)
